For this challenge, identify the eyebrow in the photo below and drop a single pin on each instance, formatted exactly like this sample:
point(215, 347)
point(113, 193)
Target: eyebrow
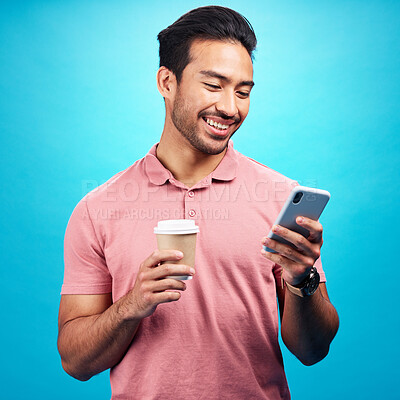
point(213, 74)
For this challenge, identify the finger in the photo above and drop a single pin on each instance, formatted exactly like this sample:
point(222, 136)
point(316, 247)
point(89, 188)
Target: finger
point(314, 227)
point(163, 270)
point(299, 241)
point(292, 272)
point(158, 256)
point(166, 284)
point(166, 297)
point(288, 251)
point(279, 259)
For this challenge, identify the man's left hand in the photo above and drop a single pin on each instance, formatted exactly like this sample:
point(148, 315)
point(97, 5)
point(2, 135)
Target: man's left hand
point(296, 261)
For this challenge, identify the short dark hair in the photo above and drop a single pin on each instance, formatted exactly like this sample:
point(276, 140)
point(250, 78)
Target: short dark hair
point(205, 23)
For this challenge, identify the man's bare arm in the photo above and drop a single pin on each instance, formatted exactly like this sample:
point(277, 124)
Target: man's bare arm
point(94, 334)
point(309, 324)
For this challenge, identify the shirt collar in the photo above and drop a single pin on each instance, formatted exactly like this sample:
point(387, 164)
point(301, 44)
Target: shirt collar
point(158, 174)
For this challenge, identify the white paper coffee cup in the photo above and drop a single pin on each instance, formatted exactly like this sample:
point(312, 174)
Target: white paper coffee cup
point(178, 234)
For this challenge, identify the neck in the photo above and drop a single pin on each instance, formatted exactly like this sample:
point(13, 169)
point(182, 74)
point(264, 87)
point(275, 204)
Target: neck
point(187, 164)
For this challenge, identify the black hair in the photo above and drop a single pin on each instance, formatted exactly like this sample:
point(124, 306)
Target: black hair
point(206, 23)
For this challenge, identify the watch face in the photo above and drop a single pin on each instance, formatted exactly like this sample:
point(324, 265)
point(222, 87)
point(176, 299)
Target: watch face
point(313, 283)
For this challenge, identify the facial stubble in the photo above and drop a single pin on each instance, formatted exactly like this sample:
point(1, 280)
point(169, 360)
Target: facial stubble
point(190, 131)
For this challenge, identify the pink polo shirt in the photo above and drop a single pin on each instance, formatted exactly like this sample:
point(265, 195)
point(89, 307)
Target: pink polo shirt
point(220, 340)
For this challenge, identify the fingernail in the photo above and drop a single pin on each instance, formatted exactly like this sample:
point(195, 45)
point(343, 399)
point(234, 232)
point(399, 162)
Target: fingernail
point(192, 271)
point(300, 220)
point(179, 254)
point(267, 241)
point(275, 228)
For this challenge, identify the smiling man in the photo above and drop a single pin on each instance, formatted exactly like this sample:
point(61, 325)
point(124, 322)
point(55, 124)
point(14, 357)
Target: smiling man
point(219, 339)
point(204, 107)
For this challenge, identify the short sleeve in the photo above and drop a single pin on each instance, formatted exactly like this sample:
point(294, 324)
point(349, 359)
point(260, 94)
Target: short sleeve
point(85, 268)
point(318, 265)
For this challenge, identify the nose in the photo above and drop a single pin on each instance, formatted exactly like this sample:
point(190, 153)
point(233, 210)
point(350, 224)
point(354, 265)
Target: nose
point(227, 104)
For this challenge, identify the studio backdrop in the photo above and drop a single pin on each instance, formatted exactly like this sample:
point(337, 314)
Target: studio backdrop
point(79, 103)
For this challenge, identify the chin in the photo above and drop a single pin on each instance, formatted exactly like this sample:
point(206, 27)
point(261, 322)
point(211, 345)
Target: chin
point(205, 142)
point(214, 148)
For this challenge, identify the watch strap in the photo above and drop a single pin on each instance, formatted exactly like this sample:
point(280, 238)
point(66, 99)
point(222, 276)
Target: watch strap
point(308, 287)
point(297, 291)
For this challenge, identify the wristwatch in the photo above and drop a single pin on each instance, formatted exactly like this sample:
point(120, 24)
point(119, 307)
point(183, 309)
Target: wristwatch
point(307, 287)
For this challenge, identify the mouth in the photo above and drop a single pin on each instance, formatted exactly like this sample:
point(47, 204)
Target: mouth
point(218, 128)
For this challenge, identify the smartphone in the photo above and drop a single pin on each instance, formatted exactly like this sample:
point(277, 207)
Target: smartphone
point(302, 201)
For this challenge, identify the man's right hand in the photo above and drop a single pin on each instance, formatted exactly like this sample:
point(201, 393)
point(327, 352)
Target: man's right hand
point(152, 287)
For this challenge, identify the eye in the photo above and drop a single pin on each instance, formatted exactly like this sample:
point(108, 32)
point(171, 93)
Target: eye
point(243, 95)
point(211, 86)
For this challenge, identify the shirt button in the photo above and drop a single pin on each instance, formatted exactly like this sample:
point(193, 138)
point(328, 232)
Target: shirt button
point(192, 213)
point(190, 193)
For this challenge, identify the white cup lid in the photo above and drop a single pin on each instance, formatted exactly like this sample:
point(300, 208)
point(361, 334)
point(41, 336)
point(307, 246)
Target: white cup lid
point(176, 227)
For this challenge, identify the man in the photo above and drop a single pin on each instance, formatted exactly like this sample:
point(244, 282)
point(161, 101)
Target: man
point(218, 339)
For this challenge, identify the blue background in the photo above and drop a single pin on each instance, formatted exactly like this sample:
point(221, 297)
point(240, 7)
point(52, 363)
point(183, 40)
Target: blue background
point(79, 103)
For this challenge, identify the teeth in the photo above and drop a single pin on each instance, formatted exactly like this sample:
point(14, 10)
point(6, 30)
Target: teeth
point(216, 124)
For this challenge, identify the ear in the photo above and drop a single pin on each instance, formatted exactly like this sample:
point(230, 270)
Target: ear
point(166, 82)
